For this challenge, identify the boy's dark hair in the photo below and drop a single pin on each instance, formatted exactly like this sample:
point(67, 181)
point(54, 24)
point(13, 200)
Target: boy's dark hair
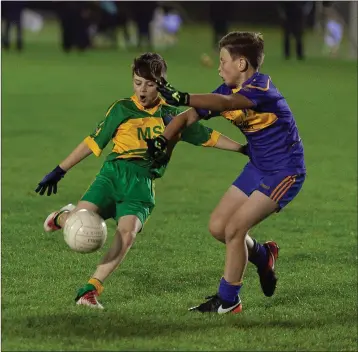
point(247, 44)
point(149, 66)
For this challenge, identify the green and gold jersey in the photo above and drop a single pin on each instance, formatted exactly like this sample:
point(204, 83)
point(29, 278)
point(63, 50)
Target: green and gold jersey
point(127, 123)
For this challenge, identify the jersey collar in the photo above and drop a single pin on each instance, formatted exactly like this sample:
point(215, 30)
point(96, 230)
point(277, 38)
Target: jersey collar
point(247, 82)
point(150, 111)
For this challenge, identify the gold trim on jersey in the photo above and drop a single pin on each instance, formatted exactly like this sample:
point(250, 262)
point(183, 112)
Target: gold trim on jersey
point(150, 111)
point(235, 90)
point(250, 121)
point(215, 135)
point(259, 88)
point(91, 143)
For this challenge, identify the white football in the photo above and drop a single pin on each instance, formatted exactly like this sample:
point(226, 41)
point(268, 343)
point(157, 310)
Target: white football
point(85, 231)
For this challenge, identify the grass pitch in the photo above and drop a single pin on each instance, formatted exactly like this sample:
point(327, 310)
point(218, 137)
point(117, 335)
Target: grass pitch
point(51, 101)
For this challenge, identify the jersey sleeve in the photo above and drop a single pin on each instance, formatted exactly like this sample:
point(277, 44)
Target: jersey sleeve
point(198, 134)
point(105, 130)
point(259, 94)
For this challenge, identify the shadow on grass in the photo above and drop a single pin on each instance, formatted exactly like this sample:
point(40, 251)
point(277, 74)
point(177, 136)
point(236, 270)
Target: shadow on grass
point(119, 324)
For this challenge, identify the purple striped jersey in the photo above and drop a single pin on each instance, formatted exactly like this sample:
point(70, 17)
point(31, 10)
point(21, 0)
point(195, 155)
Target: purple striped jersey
point(269, 126)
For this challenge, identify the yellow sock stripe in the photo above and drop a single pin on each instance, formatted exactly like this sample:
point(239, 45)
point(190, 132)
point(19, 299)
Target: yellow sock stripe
point(97, 284)
point(237, 283)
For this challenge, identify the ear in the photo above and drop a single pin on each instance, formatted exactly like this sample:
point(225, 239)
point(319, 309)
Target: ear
point(243, 65)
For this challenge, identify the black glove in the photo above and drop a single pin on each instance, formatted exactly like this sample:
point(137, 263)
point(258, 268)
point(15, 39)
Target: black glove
point(50, 181)
point(171, 95)
point(244, 149)
point(161, 160)
point(157, 147)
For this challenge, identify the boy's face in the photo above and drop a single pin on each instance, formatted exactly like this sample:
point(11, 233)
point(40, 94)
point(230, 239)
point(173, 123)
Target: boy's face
point(230, 70)
point(145, 91)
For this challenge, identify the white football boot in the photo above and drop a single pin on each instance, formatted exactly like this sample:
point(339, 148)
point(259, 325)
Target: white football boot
point(89, 299)
point(49, 224)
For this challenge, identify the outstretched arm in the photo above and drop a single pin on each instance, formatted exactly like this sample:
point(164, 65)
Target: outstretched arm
point(212, 101)
point(200, 135)
point(219, 102)
point(226, 143)
point(94, 143)
point(49, 182)
point(81, 152)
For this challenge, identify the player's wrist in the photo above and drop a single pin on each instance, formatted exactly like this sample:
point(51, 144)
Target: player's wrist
point(186, 99)
point(60, 170)
point(163, 141)
point(163, 138)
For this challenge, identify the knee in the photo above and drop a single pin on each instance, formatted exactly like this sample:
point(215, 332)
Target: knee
point(127, 237)
point(217, 228)
point(235, 230)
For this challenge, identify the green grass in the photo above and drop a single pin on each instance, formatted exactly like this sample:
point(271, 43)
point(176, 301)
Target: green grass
point(51, 101)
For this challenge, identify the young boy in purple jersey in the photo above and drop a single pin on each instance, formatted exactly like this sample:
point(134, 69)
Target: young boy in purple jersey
point(271, 179)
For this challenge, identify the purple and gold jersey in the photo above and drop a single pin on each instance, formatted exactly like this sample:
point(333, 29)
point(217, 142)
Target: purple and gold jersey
point(269, 126)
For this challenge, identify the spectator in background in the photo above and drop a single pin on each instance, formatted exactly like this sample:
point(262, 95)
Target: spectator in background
point(11, 12)
point(143, 12)
point(74, 19)
point(109, 21)
point(165, 27)
point(334, 27)
point(171, 25)
point(157, 30)
point(292, 14)
point(123, 18)
point(218, 18)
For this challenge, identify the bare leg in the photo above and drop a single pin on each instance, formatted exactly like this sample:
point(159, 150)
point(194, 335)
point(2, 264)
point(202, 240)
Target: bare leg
point(232, 200)
point(256, 209)
point(127, 229)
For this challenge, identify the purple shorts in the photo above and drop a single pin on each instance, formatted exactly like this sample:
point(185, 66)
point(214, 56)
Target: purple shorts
point(280, 186)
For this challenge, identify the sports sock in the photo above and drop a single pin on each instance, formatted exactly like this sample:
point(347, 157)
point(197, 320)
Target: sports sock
point(97, 284)
point(229, 291)
point(258, 255)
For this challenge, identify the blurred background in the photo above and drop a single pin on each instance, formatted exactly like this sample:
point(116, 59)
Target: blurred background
point(90, 25)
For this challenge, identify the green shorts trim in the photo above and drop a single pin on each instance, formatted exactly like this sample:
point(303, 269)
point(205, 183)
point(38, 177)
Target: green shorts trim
point(121, 188)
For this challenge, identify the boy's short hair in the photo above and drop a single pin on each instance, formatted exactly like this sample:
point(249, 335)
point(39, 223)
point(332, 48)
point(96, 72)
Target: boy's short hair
point(149, 66)
point(247, 44)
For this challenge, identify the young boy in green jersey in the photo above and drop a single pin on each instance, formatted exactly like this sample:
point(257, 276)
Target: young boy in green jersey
point(123, 188)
